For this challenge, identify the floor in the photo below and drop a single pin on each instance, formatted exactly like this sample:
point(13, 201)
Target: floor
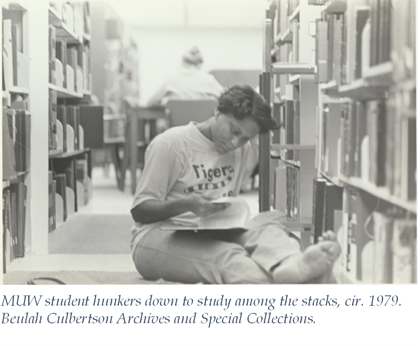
point(107, 200)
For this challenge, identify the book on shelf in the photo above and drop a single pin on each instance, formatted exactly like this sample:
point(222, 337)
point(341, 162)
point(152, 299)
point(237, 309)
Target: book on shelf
point(380, 33)
point(330, 35)
point(289, 127)
point(60, 199)
point(318, 196)
point(234, 217)
point(331, 135)
point(51, 203)
point(408, 159)
point(14, 54)
point(383, 229)
point(8, 254)
point(376, 129)
point(296, 127)
point(345, 138)
point(9, 162)
point(321, 51)
point(62, 118)
point(73, 120)
point(361, 132)
point(61, 55)
point(52, 115)
point(86, 17)
point(20, 129)
point(348, 139)
point(8, 60)
point(362, 16)
point(337, 48)
point(13, 222)
point(360, 208)
point(280, 188)
point(333, 200)
point(404, 250)
point(18, 206)
point(366, 51)
point(343, 63)
point(275, 139)
point(292, 194)
point(52, 54)
point(72, 62)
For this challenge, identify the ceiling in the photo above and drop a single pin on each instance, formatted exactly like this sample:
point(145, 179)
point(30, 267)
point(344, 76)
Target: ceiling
point(191, 13)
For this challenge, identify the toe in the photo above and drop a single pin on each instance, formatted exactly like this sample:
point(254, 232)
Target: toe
point(331, 236)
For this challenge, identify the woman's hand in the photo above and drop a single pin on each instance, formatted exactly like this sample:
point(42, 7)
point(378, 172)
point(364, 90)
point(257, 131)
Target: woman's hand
point(153, 211)
point(201, 206)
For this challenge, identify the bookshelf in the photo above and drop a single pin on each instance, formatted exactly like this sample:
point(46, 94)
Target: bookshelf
point(287, 158)
point(35, 87)
point(355, 164)
point(366, 135)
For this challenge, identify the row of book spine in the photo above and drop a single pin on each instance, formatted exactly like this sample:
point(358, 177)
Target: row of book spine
point(75, 15)
point(288, 115)
point(377, 141)
point(348, 44)
point(69, 64)
point(15, 63)
point(287, 188)
point(69, 188)
point(378, 244)
point(14, 219)
point(16, 140)
point(65, 131)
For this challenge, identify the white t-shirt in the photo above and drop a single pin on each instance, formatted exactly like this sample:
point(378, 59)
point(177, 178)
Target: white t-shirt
point(181, 161)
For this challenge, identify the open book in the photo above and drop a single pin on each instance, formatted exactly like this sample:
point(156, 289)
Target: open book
point(235, 216)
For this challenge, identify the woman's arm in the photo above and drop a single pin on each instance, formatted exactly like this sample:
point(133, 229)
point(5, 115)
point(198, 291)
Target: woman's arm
point(153, 210)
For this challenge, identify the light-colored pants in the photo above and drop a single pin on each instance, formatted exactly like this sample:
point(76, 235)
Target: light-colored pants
point(217, 257)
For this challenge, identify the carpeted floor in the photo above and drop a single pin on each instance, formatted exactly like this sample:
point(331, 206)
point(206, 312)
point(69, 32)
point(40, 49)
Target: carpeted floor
point(80, 278)
point(92, 234)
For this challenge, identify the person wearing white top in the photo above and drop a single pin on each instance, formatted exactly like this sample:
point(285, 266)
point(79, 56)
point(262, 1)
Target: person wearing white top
point(188, 166)
point(190, 83)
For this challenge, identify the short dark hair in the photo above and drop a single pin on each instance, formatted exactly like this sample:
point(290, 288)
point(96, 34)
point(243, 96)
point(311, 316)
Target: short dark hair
point(242, 101)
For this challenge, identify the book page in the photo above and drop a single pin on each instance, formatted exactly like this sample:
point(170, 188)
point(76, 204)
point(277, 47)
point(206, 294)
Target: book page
point(234, 216)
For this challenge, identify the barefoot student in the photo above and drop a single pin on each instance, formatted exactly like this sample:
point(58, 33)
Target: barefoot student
point(188, 166)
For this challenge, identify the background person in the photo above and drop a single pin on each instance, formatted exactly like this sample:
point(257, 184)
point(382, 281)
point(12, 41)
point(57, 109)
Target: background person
point(190, 83)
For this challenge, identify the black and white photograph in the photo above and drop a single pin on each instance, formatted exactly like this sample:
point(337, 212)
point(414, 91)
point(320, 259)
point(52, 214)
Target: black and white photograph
point(198, 143)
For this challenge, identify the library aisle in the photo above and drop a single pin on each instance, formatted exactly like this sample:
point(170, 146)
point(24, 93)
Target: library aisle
point(93, 245)
point(340, 77)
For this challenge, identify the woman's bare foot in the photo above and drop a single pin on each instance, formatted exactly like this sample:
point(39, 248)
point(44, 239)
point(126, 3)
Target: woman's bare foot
point(310, 265)
point(328, 276)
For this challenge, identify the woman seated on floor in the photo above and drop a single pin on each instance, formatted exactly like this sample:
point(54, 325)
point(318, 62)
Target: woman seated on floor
point(188, 166)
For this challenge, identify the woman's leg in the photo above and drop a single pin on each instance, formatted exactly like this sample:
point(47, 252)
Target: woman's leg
point(269, 245)
point(267, 242)
point(191, 257)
